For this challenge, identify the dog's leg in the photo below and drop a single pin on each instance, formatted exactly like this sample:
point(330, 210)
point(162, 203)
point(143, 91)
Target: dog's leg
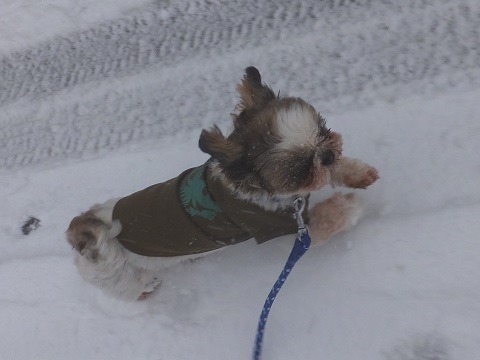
point(116, 276)
point(337, 213)
point(353, 173)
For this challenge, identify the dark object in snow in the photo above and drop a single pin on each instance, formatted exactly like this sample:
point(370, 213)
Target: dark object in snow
point(430, 346)
point(31, 224)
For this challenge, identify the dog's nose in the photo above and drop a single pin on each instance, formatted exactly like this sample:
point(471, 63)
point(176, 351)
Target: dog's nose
point(328, 157)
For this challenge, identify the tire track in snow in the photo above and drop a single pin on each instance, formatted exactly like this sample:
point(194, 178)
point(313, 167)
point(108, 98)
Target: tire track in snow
point(167, 35)
point(86, 92)
point(155, 34)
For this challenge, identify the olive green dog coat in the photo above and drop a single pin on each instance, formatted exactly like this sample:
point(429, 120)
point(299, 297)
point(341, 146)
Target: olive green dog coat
point(194, 213)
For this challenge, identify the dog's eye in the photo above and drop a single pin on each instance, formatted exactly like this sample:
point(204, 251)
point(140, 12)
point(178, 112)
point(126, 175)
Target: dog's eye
point(328, 158)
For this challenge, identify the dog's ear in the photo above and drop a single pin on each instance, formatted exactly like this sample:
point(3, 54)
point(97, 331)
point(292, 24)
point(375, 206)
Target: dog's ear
point(252, 92)
point(218, 146)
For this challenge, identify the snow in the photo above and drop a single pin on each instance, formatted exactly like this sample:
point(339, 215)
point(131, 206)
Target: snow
point(404, 284)
point(26, 22)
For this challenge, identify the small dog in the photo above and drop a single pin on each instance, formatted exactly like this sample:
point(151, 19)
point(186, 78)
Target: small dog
point(279, 148)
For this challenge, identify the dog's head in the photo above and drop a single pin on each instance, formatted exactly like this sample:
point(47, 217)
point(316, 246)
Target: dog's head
point(279, 145)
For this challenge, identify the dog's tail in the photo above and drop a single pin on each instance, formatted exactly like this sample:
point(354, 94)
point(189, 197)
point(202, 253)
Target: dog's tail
point(85, 231)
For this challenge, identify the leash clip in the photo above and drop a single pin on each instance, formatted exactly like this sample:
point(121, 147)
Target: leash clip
point(299, 204)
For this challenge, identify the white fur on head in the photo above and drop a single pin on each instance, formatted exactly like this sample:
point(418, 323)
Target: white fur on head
point(297, 126)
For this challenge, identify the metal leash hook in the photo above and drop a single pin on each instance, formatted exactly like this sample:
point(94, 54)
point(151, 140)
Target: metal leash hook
point(299, 204)
point(302, 243)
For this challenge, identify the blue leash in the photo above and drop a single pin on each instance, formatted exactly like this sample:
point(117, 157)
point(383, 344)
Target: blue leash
point(302, 243)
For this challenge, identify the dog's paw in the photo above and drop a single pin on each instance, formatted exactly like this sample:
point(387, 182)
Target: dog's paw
point(338, 213)
point(144, 295)
point(150, 288)
point(363, 177)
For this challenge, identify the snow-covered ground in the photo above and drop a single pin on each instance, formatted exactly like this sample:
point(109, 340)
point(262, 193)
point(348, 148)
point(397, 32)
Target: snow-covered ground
point(82, 125)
